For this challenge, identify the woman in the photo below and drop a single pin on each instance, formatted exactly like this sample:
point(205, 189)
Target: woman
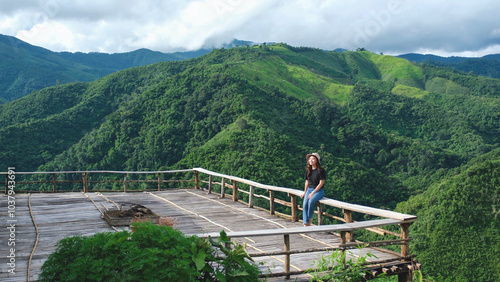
point(313, 191)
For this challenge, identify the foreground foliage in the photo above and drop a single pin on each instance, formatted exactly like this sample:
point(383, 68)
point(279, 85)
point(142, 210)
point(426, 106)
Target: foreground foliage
point(335, 267)
point(151, 253)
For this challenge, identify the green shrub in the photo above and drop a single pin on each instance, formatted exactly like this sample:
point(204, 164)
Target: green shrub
point(335, 267)
point(151, 253)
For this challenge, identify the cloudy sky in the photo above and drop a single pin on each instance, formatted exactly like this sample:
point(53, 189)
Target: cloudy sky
point(458, 27)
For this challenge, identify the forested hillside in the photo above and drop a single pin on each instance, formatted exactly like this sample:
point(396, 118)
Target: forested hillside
point(488, 65)
point(26, 68)
point(391, 134)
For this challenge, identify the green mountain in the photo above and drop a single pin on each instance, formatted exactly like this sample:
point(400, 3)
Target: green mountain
point(389, 132)
point(460, 212)
point(488, 65)
point(26, 68)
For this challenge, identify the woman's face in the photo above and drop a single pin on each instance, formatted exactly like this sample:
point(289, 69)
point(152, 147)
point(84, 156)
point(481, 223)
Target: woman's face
point(312, 160)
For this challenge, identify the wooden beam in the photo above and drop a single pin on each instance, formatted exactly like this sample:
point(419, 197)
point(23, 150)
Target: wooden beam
point(271, 202)
point(287, 256)
point(159, 181)
point(343, 240)
point(250, 197)
point(320, 214)
point(53, 183)
point(348, 219)
point(125, 183)
point(196, 180)
point(222, 187)
point(209, 184)
point(295, 216)
point(235, 191)
point(405, 234)
point(405, 250)
point(85, 184)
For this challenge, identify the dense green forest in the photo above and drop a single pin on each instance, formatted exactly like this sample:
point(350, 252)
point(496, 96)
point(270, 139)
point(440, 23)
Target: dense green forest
point(416, 138)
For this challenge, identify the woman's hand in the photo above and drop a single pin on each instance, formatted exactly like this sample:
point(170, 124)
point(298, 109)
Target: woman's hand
point(302, 196)
point(310, 194)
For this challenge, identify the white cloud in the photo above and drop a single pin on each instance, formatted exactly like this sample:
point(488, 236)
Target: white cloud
point(389, 26)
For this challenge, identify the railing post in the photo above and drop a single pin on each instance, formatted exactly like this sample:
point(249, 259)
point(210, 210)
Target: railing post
point(210, 184)
point(348, 219)
point(250, 197)
point(343, 240)
point(85, 184)
point(235, 191)
point(405, 250)
point(196, 180)
point(159, 181)
point(287, 256)
point(320, 213)
point(271, 202)
point(125, 183)
point(222, 187)
point(54, 183)
point(295, 208)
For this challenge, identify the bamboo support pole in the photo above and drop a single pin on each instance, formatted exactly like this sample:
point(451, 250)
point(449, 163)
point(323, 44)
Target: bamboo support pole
point(196, 180)
point(235, 191)
point(405, 250)
point(222, 187)
point(85, 183)
point(159, 181)
point(295, 216)
point(343, 240)
point(348, 219)
point(53, 183)
point(287, 256)
point(210, 184)
point(271, 202)
point(320, 214)
point(405, 235)
point(125, 183)
point(250, 197)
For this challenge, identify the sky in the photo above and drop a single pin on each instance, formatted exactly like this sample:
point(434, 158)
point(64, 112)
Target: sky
point(445, 28)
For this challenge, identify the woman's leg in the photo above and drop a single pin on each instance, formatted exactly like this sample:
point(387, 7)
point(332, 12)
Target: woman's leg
point(305, 206)
point(312, 203)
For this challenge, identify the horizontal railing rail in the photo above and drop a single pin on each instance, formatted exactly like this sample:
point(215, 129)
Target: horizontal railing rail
point(84, 180)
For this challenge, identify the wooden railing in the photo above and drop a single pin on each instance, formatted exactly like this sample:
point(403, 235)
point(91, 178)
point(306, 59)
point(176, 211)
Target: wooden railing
point(84, 179)
point(254, 190)
point(346, 230)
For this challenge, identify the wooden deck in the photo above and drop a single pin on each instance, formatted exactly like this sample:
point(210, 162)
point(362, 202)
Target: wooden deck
point(67, 214)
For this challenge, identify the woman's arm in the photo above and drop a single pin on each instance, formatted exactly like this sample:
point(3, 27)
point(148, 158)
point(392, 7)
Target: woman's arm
point(306, 185)
point(320, 185)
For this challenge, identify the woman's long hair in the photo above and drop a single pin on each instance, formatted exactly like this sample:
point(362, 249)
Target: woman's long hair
point(309, 167)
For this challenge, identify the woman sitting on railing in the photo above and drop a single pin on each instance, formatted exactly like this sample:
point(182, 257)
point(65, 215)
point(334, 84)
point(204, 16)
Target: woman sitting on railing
point(313, 191)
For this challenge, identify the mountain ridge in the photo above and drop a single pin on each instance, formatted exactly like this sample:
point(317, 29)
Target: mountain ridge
point(27, 68)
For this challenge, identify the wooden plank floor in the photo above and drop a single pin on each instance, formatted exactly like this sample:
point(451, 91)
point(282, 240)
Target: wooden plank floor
point(61, 215)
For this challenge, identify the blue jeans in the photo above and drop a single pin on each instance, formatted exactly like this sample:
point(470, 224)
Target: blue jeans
point(310, 204)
